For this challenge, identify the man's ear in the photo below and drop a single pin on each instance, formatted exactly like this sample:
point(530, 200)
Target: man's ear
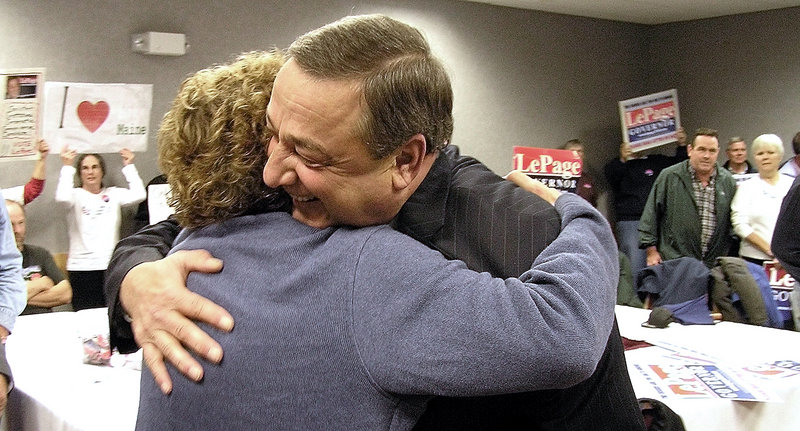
point(409, 162)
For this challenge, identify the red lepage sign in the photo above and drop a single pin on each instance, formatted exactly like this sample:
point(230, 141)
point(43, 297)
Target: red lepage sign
point(559, 169)
point(782, 284)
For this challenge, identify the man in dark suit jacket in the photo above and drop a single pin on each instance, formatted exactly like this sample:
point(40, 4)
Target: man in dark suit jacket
point(467, 212)
point(786, 243)
point(458, 207)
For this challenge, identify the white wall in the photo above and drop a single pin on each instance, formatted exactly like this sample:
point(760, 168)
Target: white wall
point(738, 74)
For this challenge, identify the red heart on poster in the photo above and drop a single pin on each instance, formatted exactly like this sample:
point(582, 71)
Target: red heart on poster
point(93, 115)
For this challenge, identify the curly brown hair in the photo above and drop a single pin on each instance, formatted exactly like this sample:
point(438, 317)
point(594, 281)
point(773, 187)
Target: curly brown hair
point(212, 142)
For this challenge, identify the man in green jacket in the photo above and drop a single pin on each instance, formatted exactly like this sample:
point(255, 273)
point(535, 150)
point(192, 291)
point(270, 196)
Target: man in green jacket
point(688, 211)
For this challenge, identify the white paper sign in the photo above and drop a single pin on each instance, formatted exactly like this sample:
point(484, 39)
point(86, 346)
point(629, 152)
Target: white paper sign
point(19, 113)
point(157, 206)
point(97, 118)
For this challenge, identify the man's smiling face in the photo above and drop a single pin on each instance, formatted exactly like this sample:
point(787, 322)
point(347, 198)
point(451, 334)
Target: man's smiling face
point(319, 159)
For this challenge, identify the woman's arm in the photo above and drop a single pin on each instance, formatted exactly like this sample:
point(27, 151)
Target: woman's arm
point(65, 178)
point(740, 210)
point(135, 192)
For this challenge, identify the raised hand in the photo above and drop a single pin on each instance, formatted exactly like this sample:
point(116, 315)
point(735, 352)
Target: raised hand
point(67, 155)
point(127, 156)
point(44, 149)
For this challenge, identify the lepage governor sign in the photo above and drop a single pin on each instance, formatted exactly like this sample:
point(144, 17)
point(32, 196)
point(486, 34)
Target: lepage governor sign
point(782, 284)
point(559, 169)
point(650, 121)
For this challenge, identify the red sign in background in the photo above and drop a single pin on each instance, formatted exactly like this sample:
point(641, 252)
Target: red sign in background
point(559, 169)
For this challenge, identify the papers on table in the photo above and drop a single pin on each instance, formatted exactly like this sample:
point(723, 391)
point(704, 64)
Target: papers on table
point(679, 373)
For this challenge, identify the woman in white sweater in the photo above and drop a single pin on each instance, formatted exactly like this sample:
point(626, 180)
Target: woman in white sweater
point(93, 220)
point(755, 207)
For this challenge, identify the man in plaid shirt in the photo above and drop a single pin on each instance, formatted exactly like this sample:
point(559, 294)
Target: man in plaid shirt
point(688, 211)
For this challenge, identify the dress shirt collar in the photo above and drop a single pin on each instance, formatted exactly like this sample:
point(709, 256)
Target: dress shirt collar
point(693, 173)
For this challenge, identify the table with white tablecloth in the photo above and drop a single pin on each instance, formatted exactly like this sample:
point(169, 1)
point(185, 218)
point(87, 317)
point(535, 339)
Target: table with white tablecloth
point(734, 345)
point(54, 389)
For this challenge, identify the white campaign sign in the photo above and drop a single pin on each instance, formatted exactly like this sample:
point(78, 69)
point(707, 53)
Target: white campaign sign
point(97, 118)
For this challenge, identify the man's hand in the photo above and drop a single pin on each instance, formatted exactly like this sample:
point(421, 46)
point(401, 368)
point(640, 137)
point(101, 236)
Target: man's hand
point(534, 186)
point(162, 311)
point(653, 256)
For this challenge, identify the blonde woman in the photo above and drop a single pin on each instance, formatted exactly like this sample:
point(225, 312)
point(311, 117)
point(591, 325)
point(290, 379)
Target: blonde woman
point(755, 206)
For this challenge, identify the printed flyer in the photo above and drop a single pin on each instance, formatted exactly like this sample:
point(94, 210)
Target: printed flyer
point(780, 369)
point(682, 373)
point(698, 381)
point(782, 284)
point(20, 113)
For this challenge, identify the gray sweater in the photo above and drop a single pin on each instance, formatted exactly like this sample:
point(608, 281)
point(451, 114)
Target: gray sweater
point(349, 329)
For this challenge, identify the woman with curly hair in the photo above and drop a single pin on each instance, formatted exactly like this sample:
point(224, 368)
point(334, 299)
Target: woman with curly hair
point(212, 142)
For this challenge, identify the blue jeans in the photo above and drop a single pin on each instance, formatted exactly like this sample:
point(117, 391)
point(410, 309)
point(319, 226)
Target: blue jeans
point(628, 237)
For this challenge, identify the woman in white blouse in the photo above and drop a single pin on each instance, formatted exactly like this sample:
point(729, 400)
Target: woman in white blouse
point(93, 220)
point(755, 207)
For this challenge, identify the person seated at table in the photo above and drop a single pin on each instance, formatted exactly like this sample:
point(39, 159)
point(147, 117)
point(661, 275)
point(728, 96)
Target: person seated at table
point(47, 286)
point(33, 188)
point(356, 328)
point(755, 206)
point(12, 298)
